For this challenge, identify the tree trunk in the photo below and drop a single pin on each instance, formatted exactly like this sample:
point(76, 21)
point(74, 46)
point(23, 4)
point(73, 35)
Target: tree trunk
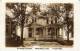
point(67, 22)
point(22, 35)
point(68, 33)
point(56, 28)
point(22, 21)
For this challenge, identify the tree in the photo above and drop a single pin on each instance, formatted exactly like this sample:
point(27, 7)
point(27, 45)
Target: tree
point(18, 15)
point(68, 8)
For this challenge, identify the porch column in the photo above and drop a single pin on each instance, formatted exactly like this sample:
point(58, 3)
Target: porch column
point(46, 32)
point(55, 29)
point(34, 32)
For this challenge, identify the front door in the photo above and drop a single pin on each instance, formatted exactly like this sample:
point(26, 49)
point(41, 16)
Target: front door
point(51, 33)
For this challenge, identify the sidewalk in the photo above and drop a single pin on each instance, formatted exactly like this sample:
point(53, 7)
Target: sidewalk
point(42, 43)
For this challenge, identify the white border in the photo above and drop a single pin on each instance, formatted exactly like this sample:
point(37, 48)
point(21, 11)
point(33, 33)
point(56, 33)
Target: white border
point(76, 21)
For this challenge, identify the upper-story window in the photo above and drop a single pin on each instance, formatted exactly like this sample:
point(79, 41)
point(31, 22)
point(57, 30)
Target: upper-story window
point(41, 21)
